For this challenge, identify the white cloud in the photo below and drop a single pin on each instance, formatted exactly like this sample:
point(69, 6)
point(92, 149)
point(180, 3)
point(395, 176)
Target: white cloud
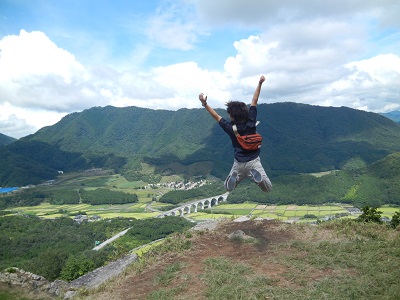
point(187, 80)
point(310, 53)
point(175, 26)
point(373, 83)
point(314, 75)
point(18, 122)
point(15, 127)
point(34, 72)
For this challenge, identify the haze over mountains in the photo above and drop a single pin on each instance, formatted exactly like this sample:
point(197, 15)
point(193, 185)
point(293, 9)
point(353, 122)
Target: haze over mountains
point(393, 115)
point(298, 138)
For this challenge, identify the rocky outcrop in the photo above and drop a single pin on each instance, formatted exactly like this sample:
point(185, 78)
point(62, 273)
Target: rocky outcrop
point(28, 280)
point(241, 236)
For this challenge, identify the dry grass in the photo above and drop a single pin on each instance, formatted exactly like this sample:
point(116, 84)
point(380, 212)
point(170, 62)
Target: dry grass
point(339, 260)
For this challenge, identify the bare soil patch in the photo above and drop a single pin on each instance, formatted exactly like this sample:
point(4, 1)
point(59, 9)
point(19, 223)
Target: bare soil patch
point(205, 245)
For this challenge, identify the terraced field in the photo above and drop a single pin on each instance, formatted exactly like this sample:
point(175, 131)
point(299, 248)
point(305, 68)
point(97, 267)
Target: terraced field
point(278, 212)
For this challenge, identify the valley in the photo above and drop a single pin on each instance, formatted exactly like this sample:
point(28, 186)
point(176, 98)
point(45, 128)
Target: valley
point(148, 205)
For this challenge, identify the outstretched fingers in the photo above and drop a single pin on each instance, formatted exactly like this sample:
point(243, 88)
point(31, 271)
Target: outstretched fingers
point(202, 98)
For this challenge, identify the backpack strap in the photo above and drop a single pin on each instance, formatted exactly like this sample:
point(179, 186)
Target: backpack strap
point(235, 130)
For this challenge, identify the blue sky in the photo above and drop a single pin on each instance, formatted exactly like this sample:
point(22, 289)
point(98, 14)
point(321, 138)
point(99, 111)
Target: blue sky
point(59, 57)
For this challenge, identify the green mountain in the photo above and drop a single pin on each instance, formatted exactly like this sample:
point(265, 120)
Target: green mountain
point(298, 138)
point(5, 140)
point(393, 115)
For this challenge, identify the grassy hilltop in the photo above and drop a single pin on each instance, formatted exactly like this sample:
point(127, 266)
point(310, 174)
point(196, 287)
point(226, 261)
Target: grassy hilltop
point(336, 260)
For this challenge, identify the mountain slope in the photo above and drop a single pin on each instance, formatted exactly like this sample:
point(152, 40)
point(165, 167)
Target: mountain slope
point(297, 138)
point(304, 138)
point(393, 115)
point(5, 140)
point(129, 131)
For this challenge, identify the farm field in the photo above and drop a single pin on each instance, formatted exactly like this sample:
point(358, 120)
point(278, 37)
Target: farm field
point(147, 208)
point(278, 212)
point(49, 211)
point(292, 213)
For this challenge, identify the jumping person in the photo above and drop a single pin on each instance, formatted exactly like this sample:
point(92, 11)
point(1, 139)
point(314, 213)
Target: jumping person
point(246, 162)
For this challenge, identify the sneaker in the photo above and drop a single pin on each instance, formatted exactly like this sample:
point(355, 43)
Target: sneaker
point(231, 184)
point(256, 175)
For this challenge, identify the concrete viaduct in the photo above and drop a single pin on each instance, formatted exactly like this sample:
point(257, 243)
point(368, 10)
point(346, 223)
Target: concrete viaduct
point(193, 206)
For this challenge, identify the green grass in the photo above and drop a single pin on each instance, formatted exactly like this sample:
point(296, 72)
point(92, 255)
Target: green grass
point(226, 279)
point(335, 260)
point(143, 250)
point(360, 263)
point(17, 293)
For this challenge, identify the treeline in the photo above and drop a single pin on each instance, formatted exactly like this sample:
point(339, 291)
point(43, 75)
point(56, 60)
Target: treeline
point(373, 185)
point(357, 187)
point(28, 197)
point(106, 196)
point(180, 196)
point(35, 196)
point(60, 197)
point(61, 248)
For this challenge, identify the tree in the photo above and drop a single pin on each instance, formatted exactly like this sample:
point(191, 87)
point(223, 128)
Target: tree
point(76, 266)
point(395, 219)
point(49, 263)
point(370, 214)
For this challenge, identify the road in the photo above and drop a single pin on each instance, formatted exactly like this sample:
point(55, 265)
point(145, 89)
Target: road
point(110, 240)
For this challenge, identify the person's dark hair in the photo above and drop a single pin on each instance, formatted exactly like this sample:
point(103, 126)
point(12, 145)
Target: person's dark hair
point(238, 111)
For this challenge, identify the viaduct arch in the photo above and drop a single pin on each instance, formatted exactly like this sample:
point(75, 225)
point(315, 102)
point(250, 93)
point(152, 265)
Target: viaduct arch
point(194, 206)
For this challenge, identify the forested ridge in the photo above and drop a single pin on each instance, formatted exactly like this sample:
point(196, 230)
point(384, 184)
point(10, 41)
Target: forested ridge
point(298, 138)
point(35, 196)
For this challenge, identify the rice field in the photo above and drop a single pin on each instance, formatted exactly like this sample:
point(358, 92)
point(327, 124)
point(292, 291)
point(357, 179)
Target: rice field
point(278, 212)
point(49, 211)
point(223, 210)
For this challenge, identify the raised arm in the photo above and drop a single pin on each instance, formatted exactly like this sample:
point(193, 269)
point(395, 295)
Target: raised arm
point(212, 112)
point(257, 91)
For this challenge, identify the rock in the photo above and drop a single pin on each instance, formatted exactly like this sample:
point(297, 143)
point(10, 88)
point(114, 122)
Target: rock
point(19, 277)
point(205, 225)
point(240, 235)
point(57, 287)
point(69, 294)
point(242, 219)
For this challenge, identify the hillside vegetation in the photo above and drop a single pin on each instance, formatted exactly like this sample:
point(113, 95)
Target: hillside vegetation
point(272, 260)
point(62, 248)
point(297, 139)
point(373, 185)
point(5, 140)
